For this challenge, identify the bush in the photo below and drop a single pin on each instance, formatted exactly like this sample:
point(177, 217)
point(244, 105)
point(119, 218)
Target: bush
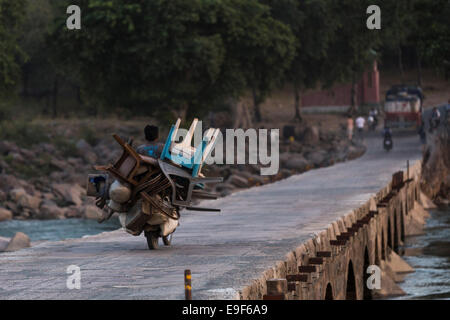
point(66, 147)
point(89, 135)
point(23, 133)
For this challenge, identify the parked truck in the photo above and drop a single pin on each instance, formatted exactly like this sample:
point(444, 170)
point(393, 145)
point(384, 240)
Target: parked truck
point(403, 106)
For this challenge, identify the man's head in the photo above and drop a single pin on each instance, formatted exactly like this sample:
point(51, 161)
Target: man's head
point(151, 133)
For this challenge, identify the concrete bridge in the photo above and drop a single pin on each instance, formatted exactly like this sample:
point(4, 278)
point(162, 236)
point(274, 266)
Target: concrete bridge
point(317, 232)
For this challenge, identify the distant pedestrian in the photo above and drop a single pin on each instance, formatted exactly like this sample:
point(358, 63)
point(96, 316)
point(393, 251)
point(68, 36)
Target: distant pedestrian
point(349, 127)
point(422, 133)
point(360, 122)
point(373, 114)
point(435, 119)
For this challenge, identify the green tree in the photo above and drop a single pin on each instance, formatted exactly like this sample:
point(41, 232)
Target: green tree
point(176, 54)
point(265, 52)
point(430, 35)
point(353, 47)
point(313, 25)
point(398, 22)
point(11, 16)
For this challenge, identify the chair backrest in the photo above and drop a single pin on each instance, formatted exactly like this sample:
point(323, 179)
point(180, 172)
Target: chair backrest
point(183, 153)
point(129, 163)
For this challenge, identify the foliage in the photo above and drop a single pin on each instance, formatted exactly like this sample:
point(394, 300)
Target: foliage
point(178, 57)
point(173, 53)
point(313, 25)
point(11, 16)
point(22, 132)
point(431, 33)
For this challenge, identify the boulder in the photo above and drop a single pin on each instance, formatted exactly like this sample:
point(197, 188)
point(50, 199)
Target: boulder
point(75, 162)
point(59, 164)
point(73, 212)
point(30, 202)
point(238, 181)
point(17, 157)
point(28, 154)
point(49, 210)
point(83, 145)
point(90, 157)
point(4, 243)
point(3, 196)
point(6, 147)
point(317, 158)
point(297, 163)
point(5, 214)
point(11, 206)
point(224, 189)
point(16, 194)
point(3, 166)
point(25, 214)
point(19, 241)
point(46, 147)
point(256, 180)
point(9, 182)
point(355, 152)
point(285, 157)
point(86, 151)
point(92, 212)
point(24, 200)
point(68, 193)
point(311, 135)
point(285, 173)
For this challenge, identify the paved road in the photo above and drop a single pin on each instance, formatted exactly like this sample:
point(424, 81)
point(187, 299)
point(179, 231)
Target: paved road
point(225, 251)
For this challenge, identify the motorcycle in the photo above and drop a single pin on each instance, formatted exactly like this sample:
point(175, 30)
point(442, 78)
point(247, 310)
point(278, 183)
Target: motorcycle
point(148, 193)
point(387, 142)
point(372, 123)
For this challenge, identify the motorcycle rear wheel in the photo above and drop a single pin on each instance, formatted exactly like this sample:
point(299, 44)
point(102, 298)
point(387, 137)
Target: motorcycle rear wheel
point(167, 240)
point(152, 239)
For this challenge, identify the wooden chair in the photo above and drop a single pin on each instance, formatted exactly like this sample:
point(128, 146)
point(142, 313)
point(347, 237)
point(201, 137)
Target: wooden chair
point(130, 165)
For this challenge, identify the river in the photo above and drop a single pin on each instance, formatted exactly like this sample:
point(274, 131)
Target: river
point(53, 230)
point(429, 255)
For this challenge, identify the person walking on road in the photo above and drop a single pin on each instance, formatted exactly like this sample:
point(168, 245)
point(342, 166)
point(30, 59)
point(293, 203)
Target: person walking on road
point(350, 127)
point(435, 119)
point(360, 122)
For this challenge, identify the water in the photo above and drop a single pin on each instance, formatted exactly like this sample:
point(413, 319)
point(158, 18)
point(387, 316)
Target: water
point(429, 255)
point(39, 230)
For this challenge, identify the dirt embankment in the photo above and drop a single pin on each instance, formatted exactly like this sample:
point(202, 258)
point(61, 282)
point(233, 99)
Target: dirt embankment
point(436, 166)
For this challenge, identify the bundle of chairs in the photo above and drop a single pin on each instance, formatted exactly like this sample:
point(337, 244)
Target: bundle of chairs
point(176, 175)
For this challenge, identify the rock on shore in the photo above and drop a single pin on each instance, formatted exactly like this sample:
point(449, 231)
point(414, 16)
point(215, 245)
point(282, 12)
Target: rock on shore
point(19, 241)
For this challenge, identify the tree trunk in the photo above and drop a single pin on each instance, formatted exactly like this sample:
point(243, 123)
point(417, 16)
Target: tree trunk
point(419, 68)
point(297, 93)
point(78, 93)
point(256, 104)
point(400, 63)
point(25, 78)
point(353, 107)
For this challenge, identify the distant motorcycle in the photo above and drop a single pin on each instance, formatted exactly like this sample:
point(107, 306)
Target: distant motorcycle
point(387, 144)
point(372, 123)
point(387, 140)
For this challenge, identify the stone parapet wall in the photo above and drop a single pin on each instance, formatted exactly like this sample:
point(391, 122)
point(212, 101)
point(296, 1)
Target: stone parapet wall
point(369, 235)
